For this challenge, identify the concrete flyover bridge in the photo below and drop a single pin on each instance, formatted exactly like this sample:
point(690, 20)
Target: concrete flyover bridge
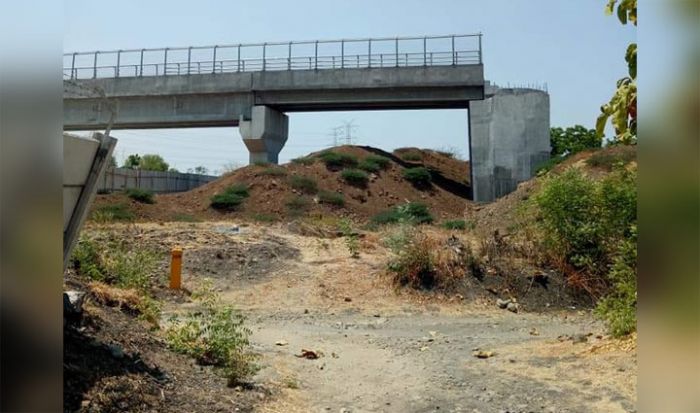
point(252, 86)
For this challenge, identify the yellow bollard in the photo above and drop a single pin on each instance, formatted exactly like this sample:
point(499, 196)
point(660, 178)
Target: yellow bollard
point(175, 268)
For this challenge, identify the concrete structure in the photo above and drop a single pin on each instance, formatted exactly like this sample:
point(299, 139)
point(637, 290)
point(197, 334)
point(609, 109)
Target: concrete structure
point(119, 179)
point(508, 130)
point(509, 138)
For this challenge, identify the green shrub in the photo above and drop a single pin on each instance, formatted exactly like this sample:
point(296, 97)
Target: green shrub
point(459, 224)
point(304, 160)
point(215, 335)
point(411, 156)
point(297, 204)
point(113, 212)
point(274, 171)
point(410, 213)
point(355, 177)
point(609, 159)
point(303, 184)
point(336, 160)
point(231, 198)
point(589, 226)
point(374, 163)
point(331, 198)
point(140, 195)
point(419, 176)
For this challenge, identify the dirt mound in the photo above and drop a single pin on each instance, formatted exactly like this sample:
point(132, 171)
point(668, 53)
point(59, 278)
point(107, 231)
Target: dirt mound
point(273, 197)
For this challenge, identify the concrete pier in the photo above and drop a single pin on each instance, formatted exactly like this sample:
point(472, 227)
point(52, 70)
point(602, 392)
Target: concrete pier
point(264, 134)
point(509, 138)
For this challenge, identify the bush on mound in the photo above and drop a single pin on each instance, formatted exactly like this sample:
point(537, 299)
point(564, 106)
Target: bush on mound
point(419, 176)
point(231, 198)
point(143, 196)
point(410, 212)
point(355, 177)
point(338, 160)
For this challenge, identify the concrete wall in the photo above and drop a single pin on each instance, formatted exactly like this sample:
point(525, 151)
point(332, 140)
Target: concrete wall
point(119, 179)
point(509, 138)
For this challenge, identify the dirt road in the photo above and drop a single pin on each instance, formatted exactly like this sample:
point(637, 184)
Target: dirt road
point(383, 350)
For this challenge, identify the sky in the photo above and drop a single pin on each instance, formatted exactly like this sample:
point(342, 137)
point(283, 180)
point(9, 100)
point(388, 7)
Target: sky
point(572, 46)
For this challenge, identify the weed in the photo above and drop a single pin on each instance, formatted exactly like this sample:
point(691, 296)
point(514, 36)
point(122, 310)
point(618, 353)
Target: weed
point(410, 212)
point(214, 335)
point(609, 159)
point(180, 217)
point(262, 217)
point(291, 383)
point(419, 177)
point(113, 212)
point(336, 160)
point(297, 204)
point(355, 177)
point(331, 198)
point(143, 196)
point(458, 224)
point(274, 171)
point(231, 198)
point(304, 184)
point(352, 240)
point(411, 156)
point(304, 160)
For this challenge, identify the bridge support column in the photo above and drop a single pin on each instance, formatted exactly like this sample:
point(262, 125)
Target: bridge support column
point(509, 138)
point(264, 134)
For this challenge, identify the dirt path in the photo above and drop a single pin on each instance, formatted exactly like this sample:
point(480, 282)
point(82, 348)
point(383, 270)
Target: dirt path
point(385, 351)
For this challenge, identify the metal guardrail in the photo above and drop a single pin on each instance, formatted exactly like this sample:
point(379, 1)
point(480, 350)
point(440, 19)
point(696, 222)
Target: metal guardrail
point(445, 50)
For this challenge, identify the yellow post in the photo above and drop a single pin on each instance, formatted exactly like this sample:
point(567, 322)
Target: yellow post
point(175, 268)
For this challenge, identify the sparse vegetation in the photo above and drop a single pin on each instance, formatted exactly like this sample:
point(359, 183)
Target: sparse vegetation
point(143, 196)
point(411, 156)
point(113, 212)
point(449, 152)
point(337, 160)
point(411, 213)
point(215, 335)
point(303, 184)
point(419, 177)
point(231, 198)
point(458, 224)
point(180, 217)
point(262, 217)
point(610, 158)
point(304, 160)
point(355, 177)
point(331, 198)
point(297, 204)
point(374, 163)
point(352, 239)
point(274, 171)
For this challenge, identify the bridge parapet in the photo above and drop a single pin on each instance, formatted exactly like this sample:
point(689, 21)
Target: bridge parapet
point(445, 50)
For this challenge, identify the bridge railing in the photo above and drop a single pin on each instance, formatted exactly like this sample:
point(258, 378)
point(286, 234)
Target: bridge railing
point(305, 55)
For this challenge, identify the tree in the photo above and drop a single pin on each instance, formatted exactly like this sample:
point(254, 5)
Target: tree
point(152, 162)
point(132, 161)
point(201, 170)
point(173, 170)
point(622, 107)
point(574, 139)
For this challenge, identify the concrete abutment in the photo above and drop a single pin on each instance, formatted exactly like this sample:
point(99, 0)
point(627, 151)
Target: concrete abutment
point(264, 134)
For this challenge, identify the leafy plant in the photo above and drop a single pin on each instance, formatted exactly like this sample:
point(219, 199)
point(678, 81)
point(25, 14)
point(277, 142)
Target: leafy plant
point(331, 198)
point(337, 160)
point(419, 177)
point(355, 177)
point(215, 335)
point(143, 196)
point(303, 184)
point(352, 240)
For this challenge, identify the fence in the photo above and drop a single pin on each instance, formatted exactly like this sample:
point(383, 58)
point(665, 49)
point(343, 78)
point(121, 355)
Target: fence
point(119, 179)
point(298, 55)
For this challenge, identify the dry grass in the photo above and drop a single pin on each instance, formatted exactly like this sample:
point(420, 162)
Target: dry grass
point(128, 300)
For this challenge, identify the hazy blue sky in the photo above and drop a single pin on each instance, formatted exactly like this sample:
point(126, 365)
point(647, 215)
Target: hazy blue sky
point(570, 45)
